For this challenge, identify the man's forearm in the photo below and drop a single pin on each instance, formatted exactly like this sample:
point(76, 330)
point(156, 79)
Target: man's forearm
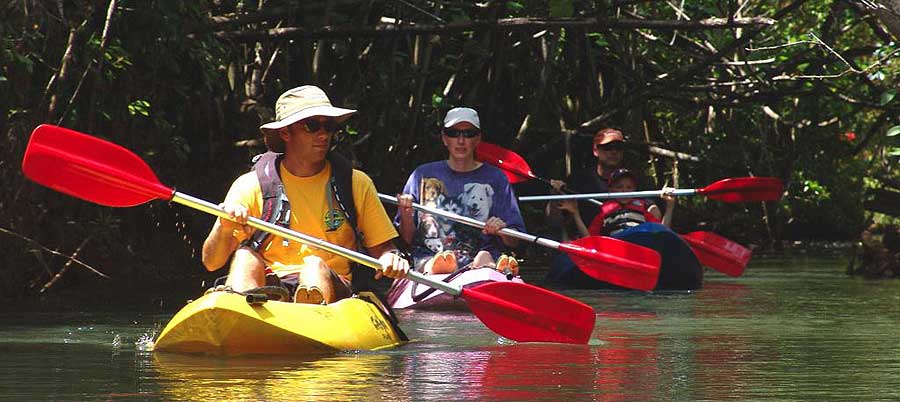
point(509, 241)
point(407, 228)
point(379, 249)
point(219, 245)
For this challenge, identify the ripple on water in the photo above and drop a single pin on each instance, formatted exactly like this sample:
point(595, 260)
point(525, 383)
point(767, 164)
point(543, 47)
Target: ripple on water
point(788, 330)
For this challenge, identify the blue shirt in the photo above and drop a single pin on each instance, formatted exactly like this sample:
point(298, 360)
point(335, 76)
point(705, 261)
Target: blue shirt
point(479, 194)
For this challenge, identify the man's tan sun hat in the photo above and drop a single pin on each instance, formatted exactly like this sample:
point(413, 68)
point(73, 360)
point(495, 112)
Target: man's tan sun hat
point(295, 105)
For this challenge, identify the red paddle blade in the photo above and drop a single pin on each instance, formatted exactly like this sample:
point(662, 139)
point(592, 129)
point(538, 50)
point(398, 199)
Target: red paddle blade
point(513, 165)
point(719, 253)
point(90, 168)
point(526, 313)
point(615, 261)
point(743, 189)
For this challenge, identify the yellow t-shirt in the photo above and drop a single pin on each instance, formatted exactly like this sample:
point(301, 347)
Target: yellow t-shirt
point(309, 212)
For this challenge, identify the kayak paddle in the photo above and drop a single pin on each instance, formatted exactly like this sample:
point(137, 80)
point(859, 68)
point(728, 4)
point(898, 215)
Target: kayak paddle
point(718, 253)
point(737, 189)
point(604, 258)
point(513, 165)
point(105, 173)
point(712, 250)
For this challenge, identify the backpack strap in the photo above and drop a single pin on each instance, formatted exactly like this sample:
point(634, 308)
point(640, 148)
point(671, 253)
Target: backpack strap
point(342, 187)
point(275, 208)
point(362, 278)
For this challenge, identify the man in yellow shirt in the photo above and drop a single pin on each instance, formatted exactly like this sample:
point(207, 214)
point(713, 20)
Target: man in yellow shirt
point(305, 124)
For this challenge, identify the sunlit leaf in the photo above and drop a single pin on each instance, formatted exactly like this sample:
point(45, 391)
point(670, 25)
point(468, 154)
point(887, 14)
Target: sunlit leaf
point(888, 96)
point(893, 131)
point(514, 6)
point(139, 107)
point(232, 76)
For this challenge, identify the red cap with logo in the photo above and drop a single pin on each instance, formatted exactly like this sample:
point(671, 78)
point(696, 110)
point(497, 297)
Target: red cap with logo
point(607, 135)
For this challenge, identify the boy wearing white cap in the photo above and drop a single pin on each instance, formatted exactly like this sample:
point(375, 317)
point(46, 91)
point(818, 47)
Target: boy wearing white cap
point(464, 186)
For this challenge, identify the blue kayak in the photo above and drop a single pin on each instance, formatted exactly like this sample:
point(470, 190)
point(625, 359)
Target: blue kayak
point(680, 268)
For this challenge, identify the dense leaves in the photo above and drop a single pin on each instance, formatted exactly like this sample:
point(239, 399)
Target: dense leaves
point(810, 98)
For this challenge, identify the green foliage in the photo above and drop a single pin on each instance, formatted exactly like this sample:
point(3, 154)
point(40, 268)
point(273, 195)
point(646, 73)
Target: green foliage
point(562, 8)
point(514, 7)
point(893, 131)
point(437, 101)
point(172, 85)
point(139, 107)
point(888, 96)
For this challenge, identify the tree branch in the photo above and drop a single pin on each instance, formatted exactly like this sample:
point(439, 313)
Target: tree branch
point(71, 258)
point(692, 70)
point(506, 24)
point(87, 69)
point(65, 267)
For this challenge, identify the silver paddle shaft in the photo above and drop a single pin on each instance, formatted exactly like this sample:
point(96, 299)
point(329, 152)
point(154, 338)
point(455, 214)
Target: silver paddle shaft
point(286, 233)
point(475, 223)
point(606, 196)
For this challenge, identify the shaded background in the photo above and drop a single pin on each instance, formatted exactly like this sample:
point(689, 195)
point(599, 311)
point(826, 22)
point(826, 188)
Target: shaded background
point(801, 90)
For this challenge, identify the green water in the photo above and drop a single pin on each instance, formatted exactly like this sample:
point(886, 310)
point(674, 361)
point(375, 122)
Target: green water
point(791, 329)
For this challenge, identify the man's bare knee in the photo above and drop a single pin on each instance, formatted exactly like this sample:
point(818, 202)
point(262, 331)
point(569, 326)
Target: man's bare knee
point(248, 270)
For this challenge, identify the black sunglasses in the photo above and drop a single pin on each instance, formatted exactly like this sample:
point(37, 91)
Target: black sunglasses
point(612, 146)
point(313, 126)
point(472, 133)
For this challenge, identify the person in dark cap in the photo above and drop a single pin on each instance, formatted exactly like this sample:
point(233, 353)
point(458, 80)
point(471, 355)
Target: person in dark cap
point(609, 150)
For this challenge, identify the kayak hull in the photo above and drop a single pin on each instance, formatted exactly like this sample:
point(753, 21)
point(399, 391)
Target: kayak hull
point(406, 294)
point(680, 269)
point(223, 323)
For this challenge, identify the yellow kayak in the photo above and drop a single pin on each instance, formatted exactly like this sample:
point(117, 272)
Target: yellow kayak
point(224, 323)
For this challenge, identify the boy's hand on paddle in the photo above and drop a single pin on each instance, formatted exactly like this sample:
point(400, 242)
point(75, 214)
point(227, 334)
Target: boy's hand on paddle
point(493, 225)
point(404, 204)
point(393, 265)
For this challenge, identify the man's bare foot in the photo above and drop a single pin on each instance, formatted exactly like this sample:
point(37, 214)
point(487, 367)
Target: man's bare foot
point(508, 265)
point(442, 263)
point(309, 295)
point(218, 288)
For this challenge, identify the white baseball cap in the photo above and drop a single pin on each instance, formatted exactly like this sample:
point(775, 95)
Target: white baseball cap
point(461, 114)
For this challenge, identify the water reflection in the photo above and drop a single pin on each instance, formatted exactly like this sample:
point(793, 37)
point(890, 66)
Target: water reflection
point(786, 331)
point(619, 365)
point(624, 366)
point(340, 377)
point(622, 369)
point(726, 300)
